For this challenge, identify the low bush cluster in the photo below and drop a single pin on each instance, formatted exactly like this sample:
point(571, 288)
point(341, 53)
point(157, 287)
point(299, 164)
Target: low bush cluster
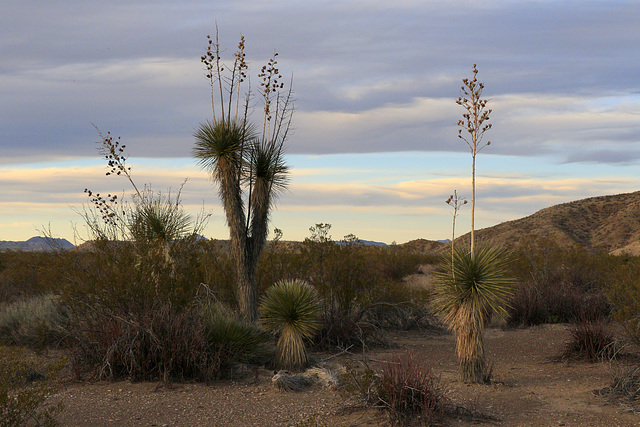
point(24, 386)
point(404, 388)
point(164, 344)
point(557, 285)
point(38, 321)
point(590, 341)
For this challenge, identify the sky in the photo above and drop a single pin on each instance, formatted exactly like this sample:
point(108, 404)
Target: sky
point(374, 149)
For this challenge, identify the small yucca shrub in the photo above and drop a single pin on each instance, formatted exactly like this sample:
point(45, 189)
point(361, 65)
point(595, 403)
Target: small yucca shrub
point(291, 309)
point(468, 290)
point(237, 340)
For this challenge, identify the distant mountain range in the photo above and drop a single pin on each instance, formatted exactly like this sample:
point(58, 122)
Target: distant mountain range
point(610, 223)
point(36, 244)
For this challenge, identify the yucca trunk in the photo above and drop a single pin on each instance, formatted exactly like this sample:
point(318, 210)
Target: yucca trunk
point(245, 270)
point(470, 345)
point(247, 294)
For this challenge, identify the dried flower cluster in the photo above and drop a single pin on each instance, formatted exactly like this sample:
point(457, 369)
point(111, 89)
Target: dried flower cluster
point(105, 206)
point(270, 83)
point(114, 154)
point(476, 115)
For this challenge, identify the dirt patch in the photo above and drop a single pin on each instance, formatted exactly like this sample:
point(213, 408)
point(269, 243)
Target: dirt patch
point(529, 390)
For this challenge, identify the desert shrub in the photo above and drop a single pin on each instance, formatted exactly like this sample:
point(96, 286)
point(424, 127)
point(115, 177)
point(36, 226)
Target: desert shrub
point(623, 291)
point(405, 388)
point(394, 305)
point(624, 388)
point(25, 274)
point(291, 309)
point(557, 284)
point(396, 262)
point(590, 341)
point(160, 343)
point(24, 387)
point(131, 276)
point(360, 285)
point(37, 320)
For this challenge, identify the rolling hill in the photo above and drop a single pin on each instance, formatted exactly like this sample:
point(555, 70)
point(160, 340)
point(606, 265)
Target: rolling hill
point(610, 223)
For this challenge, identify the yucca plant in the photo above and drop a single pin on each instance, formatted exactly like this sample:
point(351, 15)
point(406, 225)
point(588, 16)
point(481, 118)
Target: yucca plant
point(237, 340)
point(467, 292)
point(291, 309)
point(247, 164)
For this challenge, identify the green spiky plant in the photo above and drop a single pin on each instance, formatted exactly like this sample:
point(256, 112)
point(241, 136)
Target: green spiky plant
point(468, 291)
point(246, 163)
point(235, 339)
point(291, 309)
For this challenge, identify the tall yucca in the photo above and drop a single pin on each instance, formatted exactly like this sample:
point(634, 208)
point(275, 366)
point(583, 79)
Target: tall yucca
point(291, 309)
point(247, 165)
point(467, 292)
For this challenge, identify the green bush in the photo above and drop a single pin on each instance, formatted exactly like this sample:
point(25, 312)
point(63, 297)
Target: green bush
point(557, 284)
point(24, 387)
point(623, 291)
point(34, 321)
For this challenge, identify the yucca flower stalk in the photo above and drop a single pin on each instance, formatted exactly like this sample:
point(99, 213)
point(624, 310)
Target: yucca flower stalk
point(456, 203)
point(467, 292)
point(291, 309)
point(475, 123)
point(248, 165)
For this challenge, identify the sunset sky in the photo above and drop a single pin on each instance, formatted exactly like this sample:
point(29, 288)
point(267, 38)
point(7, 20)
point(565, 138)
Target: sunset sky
point(375, 149)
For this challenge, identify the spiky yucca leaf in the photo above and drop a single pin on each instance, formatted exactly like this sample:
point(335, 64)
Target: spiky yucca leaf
point(467, 291)
point(244, 342)
point(480, 282)
point(221, 144)
point(291, 308)
point(159, 219)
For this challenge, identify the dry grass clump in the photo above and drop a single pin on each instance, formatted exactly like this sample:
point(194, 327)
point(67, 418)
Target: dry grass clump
point(624, 389)
point(405, 389)
point(287, 381)
point(590, 341)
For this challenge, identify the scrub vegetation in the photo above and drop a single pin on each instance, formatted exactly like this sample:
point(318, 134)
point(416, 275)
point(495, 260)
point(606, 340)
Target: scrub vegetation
point(147, 298)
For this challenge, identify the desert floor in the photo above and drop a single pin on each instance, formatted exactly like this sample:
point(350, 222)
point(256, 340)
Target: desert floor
point(528, 390)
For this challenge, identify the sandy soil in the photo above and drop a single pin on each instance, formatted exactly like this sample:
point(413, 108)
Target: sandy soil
point(528, 390)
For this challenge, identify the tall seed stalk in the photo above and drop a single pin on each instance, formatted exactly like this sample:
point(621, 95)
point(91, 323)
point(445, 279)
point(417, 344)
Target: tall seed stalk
point(456, 203)
point(474, 123)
